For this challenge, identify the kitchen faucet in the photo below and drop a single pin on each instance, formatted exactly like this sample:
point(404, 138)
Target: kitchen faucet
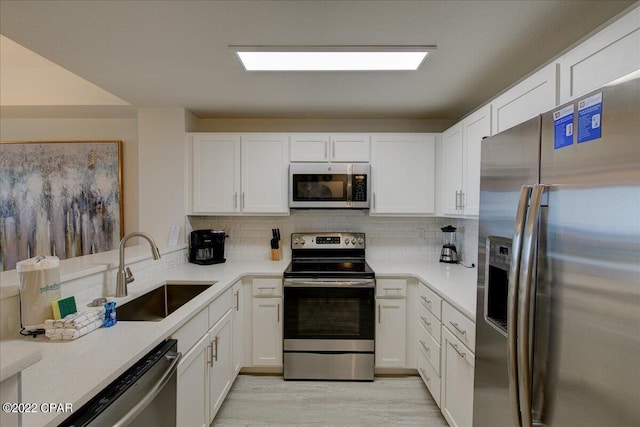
point(125, 275)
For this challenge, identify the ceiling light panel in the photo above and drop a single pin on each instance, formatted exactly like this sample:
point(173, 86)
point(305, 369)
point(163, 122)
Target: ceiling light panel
point(335, 58)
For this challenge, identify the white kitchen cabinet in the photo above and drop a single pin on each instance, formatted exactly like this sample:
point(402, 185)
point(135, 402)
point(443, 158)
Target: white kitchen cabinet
point(238, 328)
point(403, 174)
point(215, 172)
point(220, 362)
point(205, 373)
point(323, 147)
point(391, 325)
point(265, 165)
point(239, 173)
point(608, 55)
point(457, 381)
point(475, 127)
point(452, 163)
point(192, 392)
point(534, 95)
point(267, 331)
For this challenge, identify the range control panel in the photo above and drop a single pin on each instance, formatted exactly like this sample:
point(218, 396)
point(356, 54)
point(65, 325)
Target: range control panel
point(327, 241)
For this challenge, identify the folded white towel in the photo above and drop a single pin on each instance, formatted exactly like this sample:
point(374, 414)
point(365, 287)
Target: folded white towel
point(75, 321)
point(72, 333)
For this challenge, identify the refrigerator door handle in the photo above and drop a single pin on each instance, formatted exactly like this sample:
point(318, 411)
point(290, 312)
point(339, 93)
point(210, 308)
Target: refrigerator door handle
point(512, 302)
point(524, 305)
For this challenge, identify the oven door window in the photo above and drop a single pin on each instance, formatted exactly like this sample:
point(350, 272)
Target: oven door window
point(319, 187)
point(329, 313)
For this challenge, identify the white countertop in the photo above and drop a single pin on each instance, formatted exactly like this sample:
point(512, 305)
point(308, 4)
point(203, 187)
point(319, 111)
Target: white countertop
point(15, 357)
point(74, 371)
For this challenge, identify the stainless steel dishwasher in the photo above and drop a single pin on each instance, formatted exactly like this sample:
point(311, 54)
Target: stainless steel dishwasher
point(145, 395)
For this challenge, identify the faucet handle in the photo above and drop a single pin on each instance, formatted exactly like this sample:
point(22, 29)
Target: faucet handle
point(128, 275)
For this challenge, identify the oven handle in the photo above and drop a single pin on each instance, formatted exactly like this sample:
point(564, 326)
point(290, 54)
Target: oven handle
point(299, 283)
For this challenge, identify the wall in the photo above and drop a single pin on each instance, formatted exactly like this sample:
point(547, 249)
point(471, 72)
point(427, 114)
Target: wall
point(161, 187)
point(319, 125)
point(390, 237)
point(66, 129)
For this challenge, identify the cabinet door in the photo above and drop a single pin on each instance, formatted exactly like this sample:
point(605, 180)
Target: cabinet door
point(475, 128)
point(403, 174)
point(267, 331)
point(238, 328)
point(350, 147)
point(391, 333)
point(215, 173)
point(608, 55)
point(309, 147)
point(457, 381)
point(451, 170)
point(527, 99)
point(265, 163)
point(220, 368)
point(192, 393)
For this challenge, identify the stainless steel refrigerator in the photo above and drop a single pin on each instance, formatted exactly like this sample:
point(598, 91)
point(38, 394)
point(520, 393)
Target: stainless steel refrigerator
point(558, 309)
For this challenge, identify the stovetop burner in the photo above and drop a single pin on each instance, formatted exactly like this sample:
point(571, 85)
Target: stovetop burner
point(324, 255)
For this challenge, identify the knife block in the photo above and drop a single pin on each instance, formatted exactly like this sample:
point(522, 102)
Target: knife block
point(276, 254)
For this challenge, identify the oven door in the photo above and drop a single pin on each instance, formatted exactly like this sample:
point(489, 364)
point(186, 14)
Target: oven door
point(329, 315)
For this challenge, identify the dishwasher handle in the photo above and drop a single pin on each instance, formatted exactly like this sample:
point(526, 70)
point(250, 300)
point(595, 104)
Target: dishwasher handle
point(157, 388)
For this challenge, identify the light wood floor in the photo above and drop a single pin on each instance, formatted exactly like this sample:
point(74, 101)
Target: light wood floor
point(271, 401)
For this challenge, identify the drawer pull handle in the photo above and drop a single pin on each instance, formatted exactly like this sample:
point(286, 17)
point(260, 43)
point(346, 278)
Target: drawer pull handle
point(392, 289)
point(216, 341)
point(426, 377)
point(426, 301)
point(427, 323)
point(457, 328)
point(210, 351)
point(424, 345)
point(455, 347)
point(278, 310)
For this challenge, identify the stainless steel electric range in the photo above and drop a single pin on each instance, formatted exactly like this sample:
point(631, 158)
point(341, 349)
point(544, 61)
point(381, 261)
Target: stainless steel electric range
point(329, 309)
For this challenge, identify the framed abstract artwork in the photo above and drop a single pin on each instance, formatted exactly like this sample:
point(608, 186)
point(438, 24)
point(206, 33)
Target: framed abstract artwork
point(59, 198)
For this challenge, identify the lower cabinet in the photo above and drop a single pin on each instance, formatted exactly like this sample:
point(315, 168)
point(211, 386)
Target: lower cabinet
point(220, 362)
point(391, 327)
point(206, 371)
point(267, 331)
point(457, 381)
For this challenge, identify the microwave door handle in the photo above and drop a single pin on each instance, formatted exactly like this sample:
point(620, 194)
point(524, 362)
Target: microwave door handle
point(349, 184)
point(524, 305)
point(512, 302)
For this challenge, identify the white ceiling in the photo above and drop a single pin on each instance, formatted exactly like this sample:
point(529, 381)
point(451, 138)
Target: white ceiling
point(175, 53)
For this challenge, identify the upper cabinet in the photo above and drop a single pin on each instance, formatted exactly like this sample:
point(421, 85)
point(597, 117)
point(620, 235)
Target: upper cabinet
point(527, 99)
point(460, 183)
point(238, 173)
point(403, 174)
point(608, 55)
point(323, 147)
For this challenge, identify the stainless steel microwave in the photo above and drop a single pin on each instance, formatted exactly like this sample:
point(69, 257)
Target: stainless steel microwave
point(329, 186)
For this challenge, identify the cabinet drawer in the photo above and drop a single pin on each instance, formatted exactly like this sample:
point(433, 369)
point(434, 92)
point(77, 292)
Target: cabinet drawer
point(391, 288)
point(428, 346)
point(220, 306)
point(429, 376)
point(192, 331)
point(430, 300)
point(459, 325)
point(430, 322)
point(267, 288)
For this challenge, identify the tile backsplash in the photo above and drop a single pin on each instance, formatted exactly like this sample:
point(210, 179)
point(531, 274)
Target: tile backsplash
point(390, 237)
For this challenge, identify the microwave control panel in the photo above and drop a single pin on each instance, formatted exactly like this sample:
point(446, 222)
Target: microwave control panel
point(359, 186)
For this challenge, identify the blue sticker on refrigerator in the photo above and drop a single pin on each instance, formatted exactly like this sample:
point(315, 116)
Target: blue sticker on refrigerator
point(563, 127)
point(590, 118)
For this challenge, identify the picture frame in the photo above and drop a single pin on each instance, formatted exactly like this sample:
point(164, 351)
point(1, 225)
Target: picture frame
point(62, 198)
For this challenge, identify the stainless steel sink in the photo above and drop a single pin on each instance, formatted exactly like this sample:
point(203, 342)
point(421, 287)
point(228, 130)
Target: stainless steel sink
point(160, 302)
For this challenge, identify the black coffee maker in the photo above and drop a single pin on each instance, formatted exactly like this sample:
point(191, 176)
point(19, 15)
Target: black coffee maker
point(207, 247)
